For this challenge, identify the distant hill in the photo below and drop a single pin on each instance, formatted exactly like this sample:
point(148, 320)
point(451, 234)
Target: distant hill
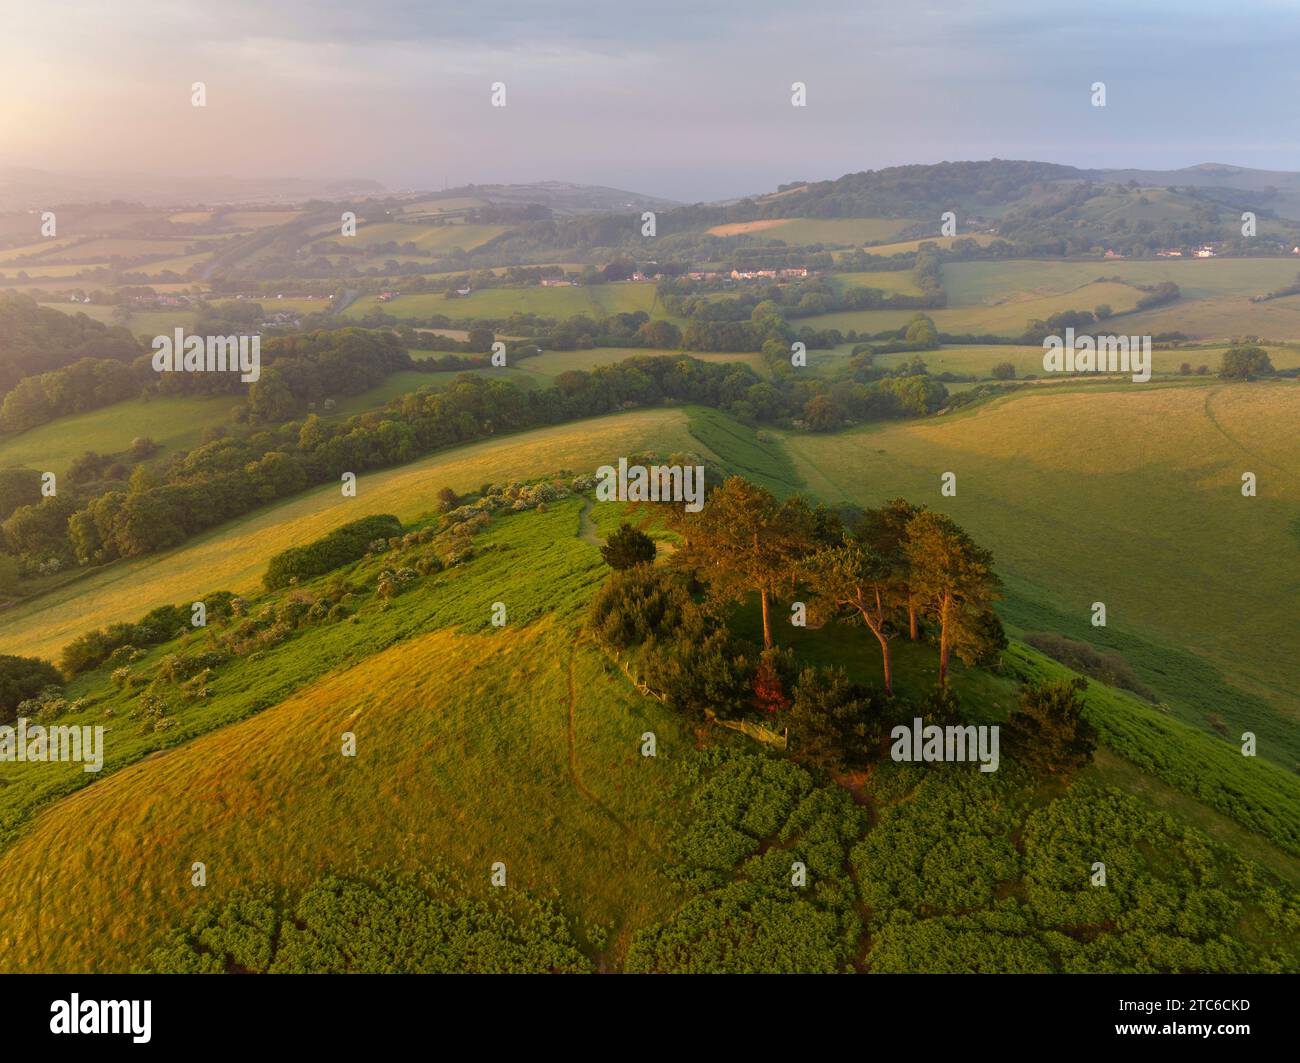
point(562, 197)
point(25, 189)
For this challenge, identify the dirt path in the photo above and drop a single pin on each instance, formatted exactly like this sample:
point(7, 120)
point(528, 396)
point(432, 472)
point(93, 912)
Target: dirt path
point(586, 527)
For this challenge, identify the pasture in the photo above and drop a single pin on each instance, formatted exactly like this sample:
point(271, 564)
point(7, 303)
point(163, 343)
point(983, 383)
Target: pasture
point(1129, 495)
point(174, 422)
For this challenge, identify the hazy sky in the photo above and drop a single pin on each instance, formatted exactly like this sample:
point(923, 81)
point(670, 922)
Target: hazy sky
point(688, 99)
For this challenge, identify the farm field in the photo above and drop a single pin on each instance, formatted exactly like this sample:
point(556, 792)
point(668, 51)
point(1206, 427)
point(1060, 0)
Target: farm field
point(969, 283)
point(92, 310)
point(233, 556)
point(173, 422)
point(258, 219)
point(596, 300)
point(899, 280)
point(799, 231)
point(425, 237)
point(1224, 318)
point(1006, 316)
point(119, 247)
point(979, 360)
point(899, 247)
point(1130, 496)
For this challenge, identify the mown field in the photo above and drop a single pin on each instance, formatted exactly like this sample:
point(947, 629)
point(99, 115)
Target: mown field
point(233, 556)
point(1130, 496)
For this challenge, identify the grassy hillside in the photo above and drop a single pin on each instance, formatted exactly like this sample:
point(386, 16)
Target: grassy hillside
point(527, 753)
point(233, 556)
point(446, 761)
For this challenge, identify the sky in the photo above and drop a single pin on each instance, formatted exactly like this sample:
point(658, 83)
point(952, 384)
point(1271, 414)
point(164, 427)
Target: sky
point(686, 99)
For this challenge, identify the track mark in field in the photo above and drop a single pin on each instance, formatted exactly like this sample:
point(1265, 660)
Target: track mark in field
point(586, 527)
point(581, 787)
point(1209, 413)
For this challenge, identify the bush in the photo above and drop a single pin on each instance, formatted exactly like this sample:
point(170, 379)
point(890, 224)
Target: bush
point(1106, 667)
point(635, 604)
point(627, 547)
point(22, 678)
point(1047, 732)
point(342, 546)
point(834, 724)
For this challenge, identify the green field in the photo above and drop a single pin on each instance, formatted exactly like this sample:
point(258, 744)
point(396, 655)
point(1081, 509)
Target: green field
point(979, 360)
point(1006, 315)
point(1000, 297)
point(899, 280)
point(430, 238)
point(595, 300)
point(175, 423)
point(969, 283)
point(909, 246)
point(1129, 496)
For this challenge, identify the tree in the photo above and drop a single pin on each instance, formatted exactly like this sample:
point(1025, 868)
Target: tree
point(884, 530)
point(1245, 362)
point(921, 331)
point(18, 487)
point(1047, 732)
point(1004, 371)
point(745, 540)
point(22, 678)
point(627, 547)
point(953, 576)
point(854, 576)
